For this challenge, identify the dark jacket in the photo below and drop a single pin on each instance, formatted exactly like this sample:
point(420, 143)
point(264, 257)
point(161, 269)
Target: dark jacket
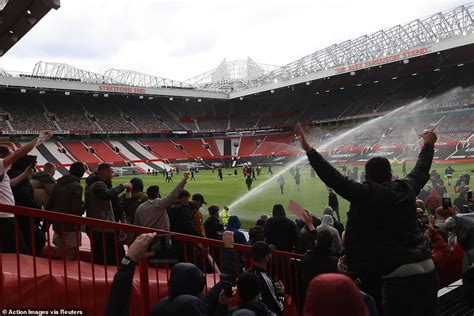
point(213, 227)
point(315, 262)
point(254, 308)
point(234, 225)
point(256, 234)
point(382, 228)
point(181, 219)
point(307, 238)
point(274, 302)
point(23, 191)
point(130, 205)
point(101, 199)
point(332, 200)
point(185, 293)
point(281, 232)
point(66, 197)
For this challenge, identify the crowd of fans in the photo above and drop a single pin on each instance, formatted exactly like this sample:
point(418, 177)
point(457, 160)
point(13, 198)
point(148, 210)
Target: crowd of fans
point(401, 239)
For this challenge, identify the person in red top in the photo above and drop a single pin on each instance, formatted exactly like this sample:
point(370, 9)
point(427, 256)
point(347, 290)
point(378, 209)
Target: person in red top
point(449, 263)
point(334, 294)
point(432, 202)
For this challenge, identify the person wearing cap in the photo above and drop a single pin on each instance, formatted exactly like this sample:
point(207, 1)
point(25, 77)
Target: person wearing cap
point(195, 206)
point(273, 293)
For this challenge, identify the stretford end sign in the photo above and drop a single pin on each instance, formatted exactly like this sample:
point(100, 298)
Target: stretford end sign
point(383, 60)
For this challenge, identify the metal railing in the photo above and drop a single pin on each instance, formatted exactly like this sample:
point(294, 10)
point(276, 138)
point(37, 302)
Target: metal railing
point(44, 277)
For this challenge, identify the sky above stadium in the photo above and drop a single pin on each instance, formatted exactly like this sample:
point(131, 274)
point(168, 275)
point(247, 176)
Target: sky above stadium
point(181, 39)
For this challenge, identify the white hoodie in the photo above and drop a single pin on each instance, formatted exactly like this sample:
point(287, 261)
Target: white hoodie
point(327, 223)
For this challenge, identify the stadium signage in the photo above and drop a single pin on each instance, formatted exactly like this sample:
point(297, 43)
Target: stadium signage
point(383, 60)
point(121, 89)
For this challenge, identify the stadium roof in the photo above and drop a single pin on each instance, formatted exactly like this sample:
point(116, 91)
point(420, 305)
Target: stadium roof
point(438, 32)
point(231, 76)
point(18, 17)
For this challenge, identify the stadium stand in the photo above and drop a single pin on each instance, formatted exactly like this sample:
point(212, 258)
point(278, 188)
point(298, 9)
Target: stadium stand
point(81, 153)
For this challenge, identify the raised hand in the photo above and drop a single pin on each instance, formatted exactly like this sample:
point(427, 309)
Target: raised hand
point(302, 137)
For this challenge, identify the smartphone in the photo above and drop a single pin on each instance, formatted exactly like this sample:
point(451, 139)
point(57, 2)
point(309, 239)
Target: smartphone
point(469, 196)
point(424, 221)
point(32, 160)
point(447, 203)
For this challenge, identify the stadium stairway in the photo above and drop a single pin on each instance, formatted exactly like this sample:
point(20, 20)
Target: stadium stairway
point(137, 148)
point(167, 150)
point(212, 146)
point(137, 157)
point(193, 147)
point(248, 145)
point(105, 153)
point(48, 156)
point(119, 153)
point(274, 144)
point(80, 153)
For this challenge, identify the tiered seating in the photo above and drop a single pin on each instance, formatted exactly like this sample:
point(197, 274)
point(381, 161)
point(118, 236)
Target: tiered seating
point(70, 116)
point(80, 153)
point(107, 115)
point(194, 147)
point(248, 145)
point(26, 113)
point(274, 144)
point(105, 152)
point(212, 146)
point(166, 149)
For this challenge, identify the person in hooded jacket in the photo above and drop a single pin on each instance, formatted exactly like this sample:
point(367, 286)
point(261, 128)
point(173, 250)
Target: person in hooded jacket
point(130, 205)
point(66, 198)
point(334, 294)
point(327, 225)
point(281, 231)
point(318, 260)
point(101, 202)
point(186, 283)
point(234, 225)
point(307, 235)
point(383, 239)
point(337, 224)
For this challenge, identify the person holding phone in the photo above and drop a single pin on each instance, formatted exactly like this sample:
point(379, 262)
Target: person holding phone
point(7, 158)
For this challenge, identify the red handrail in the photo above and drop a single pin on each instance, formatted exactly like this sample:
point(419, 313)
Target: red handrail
point(285, 267)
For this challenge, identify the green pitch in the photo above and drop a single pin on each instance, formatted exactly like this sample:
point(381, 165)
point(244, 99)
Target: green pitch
point(312, 194)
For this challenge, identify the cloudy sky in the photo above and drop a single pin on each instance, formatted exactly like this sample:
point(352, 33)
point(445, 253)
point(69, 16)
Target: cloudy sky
point(181, 39)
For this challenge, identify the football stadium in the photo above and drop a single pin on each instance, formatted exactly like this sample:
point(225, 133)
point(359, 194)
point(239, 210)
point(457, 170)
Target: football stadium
point(337, 184)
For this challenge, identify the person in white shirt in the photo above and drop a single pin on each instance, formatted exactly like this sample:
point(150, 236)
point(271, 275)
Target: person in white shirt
point(7, 222)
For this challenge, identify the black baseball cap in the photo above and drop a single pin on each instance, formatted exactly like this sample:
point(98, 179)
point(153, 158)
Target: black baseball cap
point(260, 249)
point(199, 197)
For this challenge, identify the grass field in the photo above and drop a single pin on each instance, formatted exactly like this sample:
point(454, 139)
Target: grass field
point(312, 194)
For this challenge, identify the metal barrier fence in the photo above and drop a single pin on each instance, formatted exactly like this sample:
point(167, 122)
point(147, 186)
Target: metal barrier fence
point(49, 276)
